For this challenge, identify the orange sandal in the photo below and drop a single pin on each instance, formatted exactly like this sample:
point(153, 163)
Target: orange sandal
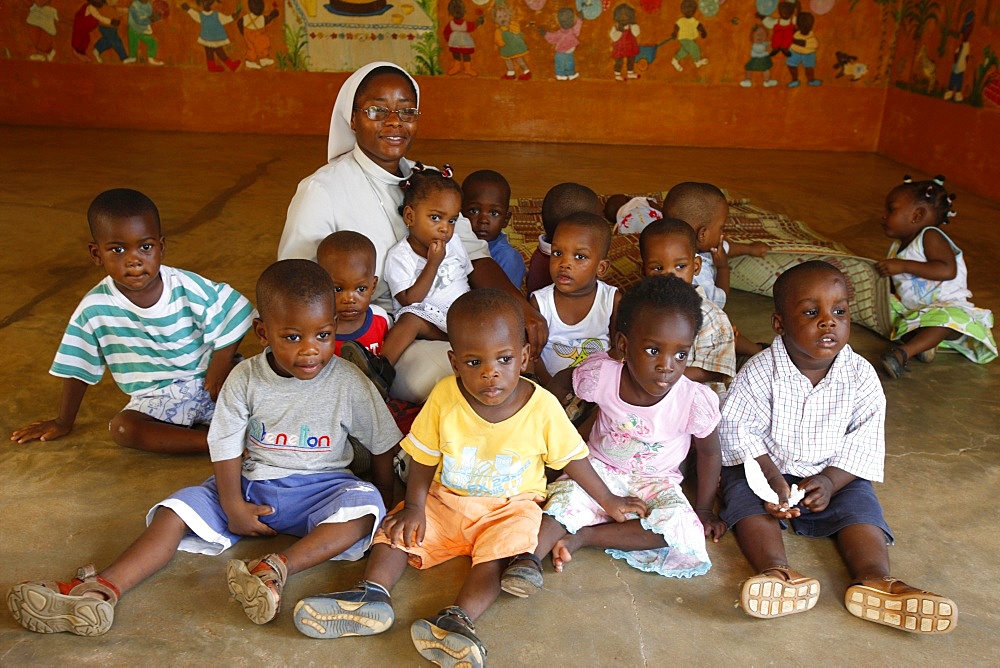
point(894, 603)
point(766, 596)
point(57, 607)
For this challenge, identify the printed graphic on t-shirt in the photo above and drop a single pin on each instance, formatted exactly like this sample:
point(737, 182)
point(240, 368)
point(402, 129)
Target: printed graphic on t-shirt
point(302, 440)
point(497, 478)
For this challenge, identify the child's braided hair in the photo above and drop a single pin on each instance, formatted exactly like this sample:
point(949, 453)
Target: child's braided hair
point(933, 195)
point(423, 181)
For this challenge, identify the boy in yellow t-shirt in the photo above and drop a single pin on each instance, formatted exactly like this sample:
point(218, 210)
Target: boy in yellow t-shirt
point(479, 448)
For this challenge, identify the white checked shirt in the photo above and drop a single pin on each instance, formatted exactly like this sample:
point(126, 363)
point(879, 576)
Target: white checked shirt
point(773, 409)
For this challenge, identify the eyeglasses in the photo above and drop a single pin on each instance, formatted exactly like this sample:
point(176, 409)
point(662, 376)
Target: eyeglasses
point(376, 113)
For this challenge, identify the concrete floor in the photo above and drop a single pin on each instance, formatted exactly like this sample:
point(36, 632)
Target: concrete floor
point(223, 201)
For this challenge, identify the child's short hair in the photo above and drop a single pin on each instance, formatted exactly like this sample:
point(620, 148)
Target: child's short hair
point(426, 180)
point(798, 276)
point(593, 224)
point(301, 281)
point(694, 203)
point(348, 241)
point(484, 304)
point(660, 293)
point(563, 199)
point(667, 227)
point(932, 194)
point(487, 176)
point(120, 203)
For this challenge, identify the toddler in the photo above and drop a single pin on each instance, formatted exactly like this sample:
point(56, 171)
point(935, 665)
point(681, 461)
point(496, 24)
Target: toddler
point(669, 246)
point(479, 448)
point(930, 304)
point(425, 272)
point(580, 309)
point(290, 409)
point(349, 258)
point(560, 201)
point(486, 203)
point(811, 412)
point(630, 215)
point(167, 335)
point(647, 414)
point(704, 207)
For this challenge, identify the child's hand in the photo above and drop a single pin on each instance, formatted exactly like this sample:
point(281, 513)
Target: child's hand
point(272, 15)
point(42, 430)
point(818, 489)
point(406, 527)
point(185, 6)
point(435, 252)
point(781, 509)
point(719, 255)
point(890, 267)
point(243, 519)
point(715, 528)
point(115, 23)
point(620, 507)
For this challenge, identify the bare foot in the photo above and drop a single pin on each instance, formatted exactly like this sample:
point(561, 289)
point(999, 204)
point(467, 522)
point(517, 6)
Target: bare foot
point(562, 551)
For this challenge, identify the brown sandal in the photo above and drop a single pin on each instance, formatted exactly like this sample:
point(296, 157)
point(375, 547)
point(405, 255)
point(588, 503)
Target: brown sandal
point(766, 595)
point(56, 607)
point(257, 585)
point(894, 603)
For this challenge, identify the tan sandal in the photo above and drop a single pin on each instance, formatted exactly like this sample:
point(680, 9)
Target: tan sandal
point(56, 607)
point(894, 603)
point(766, 596)
point(257, 585)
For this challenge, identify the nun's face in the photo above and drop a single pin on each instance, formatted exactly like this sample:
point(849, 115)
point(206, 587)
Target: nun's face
point(385, 141)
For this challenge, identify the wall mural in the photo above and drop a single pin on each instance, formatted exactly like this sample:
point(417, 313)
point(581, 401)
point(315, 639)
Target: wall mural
point(940, 48)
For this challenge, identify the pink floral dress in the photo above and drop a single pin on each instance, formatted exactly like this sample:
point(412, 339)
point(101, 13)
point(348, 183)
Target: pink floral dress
point(638, 450)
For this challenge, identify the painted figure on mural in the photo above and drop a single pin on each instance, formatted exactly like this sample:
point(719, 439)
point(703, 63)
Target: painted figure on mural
point(141, 17)
point(109, 39)
point(782, 28)
point(213, 34)
point(42, 19)
point(85, 21)
point(686, 31)
point(458, 35)
point(251, 26)
point(624, 41)
point(760, 57)
point(804, 45)
point(508, 37)
point(957, 77)
point(565, 40)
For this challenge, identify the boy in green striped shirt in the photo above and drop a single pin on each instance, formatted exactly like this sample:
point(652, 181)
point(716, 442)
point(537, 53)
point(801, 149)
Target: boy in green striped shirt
point(167, 335)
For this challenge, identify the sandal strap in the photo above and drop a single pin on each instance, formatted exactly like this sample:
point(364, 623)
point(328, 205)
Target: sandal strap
point(87, 580)
point(271, 567)
point(456, 611)
point(526, 556)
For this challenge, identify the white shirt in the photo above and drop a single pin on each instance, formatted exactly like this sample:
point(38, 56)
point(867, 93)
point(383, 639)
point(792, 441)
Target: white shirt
point(403, 266)
point(773, 409)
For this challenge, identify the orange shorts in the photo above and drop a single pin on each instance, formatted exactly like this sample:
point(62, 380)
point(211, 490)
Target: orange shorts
point(481, 527)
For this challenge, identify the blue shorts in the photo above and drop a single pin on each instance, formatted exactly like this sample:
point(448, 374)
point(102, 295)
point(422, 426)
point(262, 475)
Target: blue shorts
point(300, 503)
point(855, 503)
point(804, 59)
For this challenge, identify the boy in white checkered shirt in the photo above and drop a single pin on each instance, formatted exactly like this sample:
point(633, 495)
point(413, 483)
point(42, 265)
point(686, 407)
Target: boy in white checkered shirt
point(811, 412)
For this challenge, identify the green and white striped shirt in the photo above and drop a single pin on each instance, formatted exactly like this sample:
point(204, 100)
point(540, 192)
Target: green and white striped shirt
point(149, 348)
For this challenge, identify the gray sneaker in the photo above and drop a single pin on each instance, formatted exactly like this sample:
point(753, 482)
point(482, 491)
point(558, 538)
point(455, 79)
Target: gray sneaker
point(363, 611)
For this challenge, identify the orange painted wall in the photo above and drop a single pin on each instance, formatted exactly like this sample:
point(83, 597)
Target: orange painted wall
point(703, 106)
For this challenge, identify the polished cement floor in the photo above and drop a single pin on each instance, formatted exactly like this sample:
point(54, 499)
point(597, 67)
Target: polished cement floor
point(81, 499)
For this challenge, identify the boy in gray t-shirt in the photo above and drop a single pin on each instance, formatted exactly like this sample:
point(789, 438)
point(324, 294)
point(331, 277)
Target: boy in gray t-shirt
point(291, 409)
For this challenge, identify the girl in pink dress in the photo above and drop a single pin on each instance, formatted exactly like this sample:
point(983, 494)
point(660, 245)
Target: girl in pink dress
point(648, 412)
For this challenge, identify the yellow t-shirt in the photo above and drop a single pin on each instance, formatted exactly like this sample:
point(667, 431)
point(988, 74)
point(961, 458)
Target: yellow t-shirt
point(479, 458)
point(810, 46)
point(687, 28)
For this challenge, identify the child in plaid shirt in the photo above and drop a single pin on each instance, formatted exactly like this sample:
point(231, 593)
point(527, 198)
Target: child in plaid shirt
point(811, 412)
